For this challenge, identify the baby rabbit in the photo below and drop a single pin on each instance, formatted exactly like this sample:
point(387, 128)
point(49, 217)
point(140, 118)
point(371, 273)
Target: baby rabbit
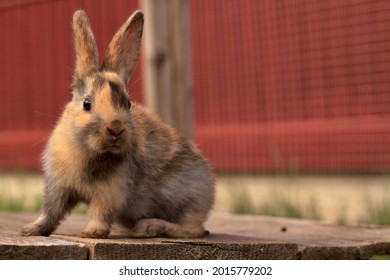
point(116, 156)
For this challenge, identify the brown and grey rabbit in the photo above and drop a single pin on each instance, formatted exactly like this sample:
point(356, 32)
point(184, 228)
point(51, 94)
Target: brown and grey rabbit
point(117, 157)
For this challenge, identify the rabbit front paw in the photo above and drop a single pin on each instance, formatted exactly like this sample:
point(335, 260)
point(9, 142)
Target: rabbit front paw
point(32, 229)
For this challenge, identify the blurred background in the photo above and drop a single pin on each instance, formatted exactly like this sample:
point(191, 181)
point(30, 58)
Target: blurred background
point(289, 100)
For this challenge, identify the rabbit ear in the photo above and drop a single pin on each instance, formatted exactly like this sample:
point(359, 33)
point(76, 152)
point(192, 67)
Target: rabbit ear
point(123, 51)
point(87, 58)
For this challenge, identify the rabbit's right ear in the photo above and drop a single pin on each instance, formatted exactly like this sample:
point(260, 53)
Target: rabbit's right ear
point(87, 57)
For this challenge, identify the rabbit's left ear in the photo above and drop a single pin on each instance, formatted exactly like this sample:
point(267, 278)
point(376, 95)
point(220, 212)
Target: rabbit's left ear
point(123, 51)
point(87, 57)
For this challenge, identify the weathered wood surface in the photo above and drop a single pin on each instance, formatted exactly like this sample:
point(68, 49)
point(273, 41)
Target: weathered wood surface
point(232, 237)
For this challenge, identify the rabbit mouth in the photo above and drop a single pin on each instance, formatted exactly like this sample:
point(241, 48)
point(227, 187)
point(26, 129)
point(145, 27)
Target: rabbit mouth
point(104, 143)
point(112, 147)
point(114, 144)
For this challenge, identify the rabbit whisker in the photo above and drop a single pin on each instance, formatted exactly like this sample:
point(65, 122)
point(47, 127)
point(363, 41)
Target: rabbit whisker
point(135, 82)
point(38, 142)
point(46, 115)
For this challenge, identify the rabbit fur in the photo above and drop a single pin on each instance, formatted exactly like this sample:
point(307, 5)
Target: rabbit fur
point(119, 158)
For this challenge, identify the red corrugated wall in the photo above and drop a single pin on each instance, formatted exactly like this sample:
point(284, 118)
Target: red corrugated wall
point(299, 85)
point(278, 85)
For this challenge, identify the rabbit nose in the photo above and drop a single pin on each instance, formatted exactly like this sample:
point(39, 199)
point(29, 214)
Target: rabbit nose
point(115, 128)
point(115, 133)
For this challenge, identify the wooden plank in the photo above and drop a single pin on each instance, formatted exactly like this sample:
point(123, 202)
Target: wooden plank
point(231, 237)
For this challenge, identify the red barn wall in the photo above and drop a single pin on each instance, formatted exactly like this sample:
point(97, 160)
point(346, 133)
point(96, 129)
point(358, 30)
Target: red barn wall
point(278, 85)
point(292, 85)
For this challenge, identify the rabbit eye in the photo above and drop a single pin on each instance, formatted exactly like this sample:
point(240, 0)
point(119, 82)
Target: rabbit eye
point(87, 104)
point(128, 104)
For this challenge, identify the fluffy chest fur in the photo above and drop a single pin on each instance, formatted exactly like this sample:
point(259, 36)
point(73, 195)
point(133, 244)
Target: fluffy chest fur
point(70, 166)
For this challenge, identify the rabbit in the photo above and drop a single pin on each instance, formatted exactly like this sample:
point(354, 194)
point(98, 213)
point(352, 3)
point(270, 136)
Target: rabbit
point(116, 156)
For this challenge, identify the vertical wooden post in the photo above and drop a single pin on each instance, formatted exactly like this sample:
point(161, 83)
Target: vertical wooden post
point(166, 57)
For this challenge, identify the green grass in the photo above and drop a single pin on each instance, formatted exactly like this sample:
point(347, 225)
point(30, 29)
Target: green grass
point(377, 213)
point(241, 203)
point(11, 205)
point(380, 257)
point(18, 204)
point(282, 202)
point(17, 196)
point(276, 204)
point(81, 208)
point(283, 199)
